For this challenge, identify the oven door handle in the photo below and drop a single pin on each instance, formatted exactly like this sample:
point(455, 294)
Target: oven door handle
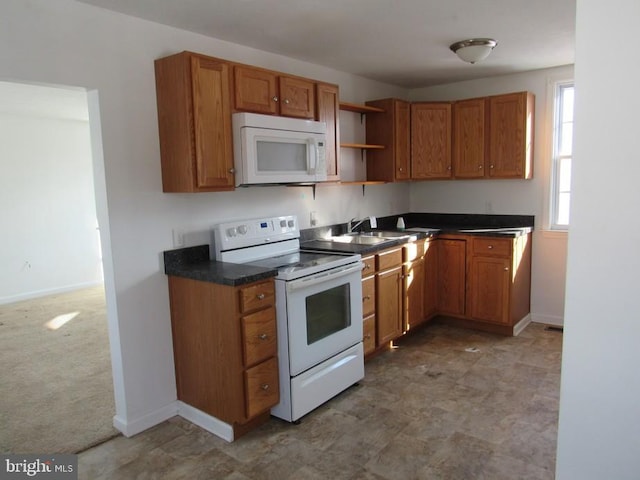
point(323, 277)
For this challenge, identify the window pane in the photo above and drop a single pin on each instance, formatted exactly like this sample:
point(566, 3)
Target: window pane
point(567, 103)
point(564, 174)
point(566, 139)
point(563, 209)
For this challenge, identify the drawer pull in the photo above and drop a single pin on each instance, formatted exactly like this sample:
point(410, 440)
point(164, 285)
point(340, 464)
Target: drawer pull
point(366, 297)
point(490, 247)
point(260, 296)
point(263, 336)
point(264, 386)
point(367, 266)
point(367, 337)
point(274, 98)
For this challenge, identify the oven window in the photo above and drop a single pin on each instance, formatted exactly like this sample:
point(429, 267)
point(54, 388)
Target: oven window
point(328, 312)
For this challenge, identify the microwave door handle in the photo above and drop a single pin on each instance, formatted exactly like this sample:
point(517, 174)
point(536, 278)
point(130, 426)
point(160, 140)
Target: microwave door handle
point(312, 158)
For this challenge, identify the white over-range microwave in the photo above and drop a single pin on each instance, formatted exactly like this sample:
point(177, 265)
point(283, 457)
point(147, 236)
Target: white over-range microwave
point(278, 150)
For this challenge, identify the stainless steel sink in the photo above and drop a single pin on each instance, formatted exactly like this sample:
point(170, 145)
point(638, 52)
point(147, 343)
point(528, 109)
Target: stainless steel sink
point(371, 238)
point(359, 239)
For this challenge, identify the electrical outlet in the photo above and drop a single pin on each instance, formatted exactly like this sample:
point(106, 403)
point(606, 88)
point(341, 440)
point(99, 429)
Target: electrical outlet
point(178, 237)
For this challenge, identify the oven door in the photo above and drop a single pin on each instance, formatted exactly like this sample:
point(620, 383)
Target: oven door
point(324, 315)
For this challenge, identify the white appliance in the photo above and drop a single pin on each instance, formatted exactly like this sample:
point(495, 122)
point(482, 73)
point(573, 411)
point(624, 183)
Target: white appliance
point(269, 149)
point(318, 310)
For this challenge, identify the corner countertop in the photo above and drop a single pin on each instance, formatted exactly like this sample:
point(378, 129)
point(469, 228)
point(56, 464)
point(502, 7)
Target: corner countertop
point(415, 233)
point(194, 263)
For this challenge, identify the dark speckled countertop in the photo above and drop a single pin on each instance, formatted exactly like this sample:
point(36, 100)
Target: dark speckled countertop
point(194, 263)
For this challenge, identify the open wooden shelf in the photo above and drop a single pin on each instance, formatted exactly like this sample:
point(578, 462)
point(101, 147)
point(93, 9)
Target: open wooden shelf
point(362, 182)
point(363, 146)
point(358, 108)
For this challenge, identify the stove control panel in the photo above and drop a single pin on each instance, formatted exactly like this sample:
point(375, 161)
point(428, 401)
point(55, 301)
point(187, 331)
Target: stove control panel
point(253, 232)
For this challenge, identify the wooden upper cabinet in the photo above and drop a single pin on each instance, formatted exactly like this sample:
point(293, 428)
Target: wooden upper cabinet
point(256, 90)
point(328, 111)
point(297, 97)
point(430, 140)
point(511, 135)
point(469, 138)
point(263, 91)
point(194, 121)
point(391, 129)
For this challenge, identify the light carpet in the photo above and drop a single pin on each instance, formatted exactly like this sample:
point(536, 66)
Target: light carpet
point(56, 384)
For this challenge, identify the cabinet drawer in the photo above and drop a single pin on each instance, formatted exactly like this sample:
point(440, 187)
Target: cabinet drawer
point(368, 295)
point(256, 296)
point(413, 251)
point(261, 387)
point(369, 266)
point(491, 246)
point(389, 259)
point(369, 334)
point(259, 336)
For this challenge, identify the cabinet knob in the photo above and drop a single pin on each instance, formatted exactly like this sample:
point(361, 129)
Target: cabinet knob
point(490, 166)
point(490, 247)
point(366, 297)
point(232, 170)
point(367, 337)
point(449, 167)
point(286, 101)
point(506, 269)
point(479, 167)
point(367, 266)
point(263, 336)
point(260, 296)
point(264, 386)
point(274, 98)
point(401, 169)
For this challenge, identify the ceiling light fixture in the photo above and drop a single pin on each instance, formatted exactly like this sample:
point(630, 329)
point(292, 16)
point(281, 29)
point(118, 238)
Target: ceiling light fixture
point(474, 49)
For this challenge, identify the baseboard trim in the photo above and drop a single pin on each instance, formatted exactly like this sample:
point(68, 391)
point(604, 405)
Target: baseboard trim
point(206, 421)
point(48, 291)
point(548, 319)
point(141, 424)
point(521, 325)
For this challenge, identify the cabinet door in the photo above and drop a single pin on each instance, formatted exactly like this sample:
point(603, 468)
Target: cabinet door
point(328, 111)
point(431, 278)
point(414, 280)
point(262, 389)
point(255, 90)
point(511, 136)
point(389, 305)
point(430, 140)
point(212, 123)
point(489, 281)
point(369, 334)
point(402, 140)
point(451, 276)
point(468, 138)
point(297, 97)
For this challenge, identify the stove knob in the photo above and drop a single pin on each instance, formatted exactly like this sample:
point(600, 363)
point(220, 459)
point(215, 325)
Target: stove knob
point(290, 223)
point(283, 223)
point(231, 232)
point(242, 229)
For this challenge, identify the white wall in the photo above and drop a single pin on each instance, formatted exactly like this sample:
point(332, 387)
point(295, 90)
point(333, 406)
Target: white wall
point(69, 43)
point(50, 243)
point(599, 430)
point(518, 197)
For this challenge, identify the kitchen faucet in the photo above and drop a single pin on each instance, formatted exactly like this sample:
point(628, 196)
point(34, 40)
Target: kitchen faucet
point(351, 227)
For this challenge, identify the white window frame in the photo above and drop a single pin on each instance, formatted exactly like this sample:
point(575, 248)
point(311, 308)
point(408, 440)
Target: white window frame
point(554, 173)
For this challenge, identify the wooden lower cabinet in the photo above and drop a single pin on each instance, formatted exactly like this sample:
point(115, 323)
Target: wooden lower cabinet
point(389, 295)
point(414, 293)
point(431, 278)
point(451, 276)
point(225, 348)
point(499, 280)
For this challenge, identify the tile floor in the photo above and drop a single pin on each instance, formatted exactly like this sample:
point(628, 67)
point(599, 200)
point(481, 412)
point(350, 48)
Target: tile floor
point(447, 403)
